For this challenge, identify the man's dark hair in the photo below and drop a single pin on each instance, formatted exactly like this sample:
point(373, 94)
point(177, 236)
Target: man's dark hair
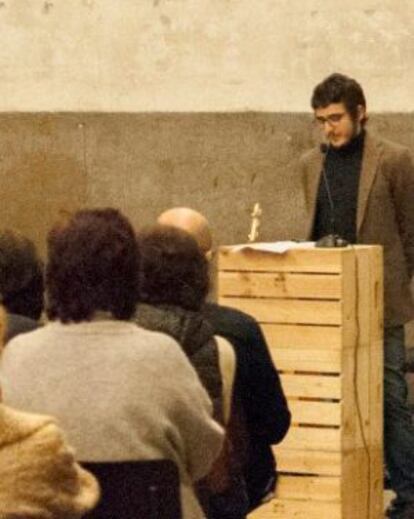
point(92, 266)
point(173, 269)
point(338, 88)
point(21, 275)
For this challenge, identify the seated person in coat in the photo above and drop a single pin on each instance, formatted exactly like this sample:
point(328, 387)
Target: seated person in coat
point(107, 380)
point(257, 385)
point(39, 477)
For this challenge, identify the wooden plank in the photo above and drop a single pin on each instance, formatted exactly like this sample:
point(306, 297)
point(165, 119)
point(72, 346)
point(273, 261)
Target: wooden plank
point(311, 386)
point(354, 475)
point(303, 336)
point(312, 488)
point(349, 374)
point(308, 462)
point(317, 413)
point(370, 287)
point(298, 509)
point(362, 464)
point(296, 359)
point(304, 260)
point(355, 484)
point(280, 284)
point(376, 425)
point(288, 310)
point(313, 438)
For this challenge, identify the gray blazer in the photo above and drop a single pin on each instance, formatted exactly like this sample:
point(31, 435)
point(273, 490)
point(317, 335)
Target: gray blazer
point(385, 215)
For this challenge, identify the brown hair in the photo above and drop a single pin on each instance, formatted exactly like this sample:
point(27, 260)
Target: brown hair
point(338, 88)
point(173, 268)
point(92, 265)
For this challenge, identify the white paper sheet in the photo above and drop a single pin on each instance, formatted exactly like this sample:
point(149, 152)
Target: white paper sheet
point(276, 247)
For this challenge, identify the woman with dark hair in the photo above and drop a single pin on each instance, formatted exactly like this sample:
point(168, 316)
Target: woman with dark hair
point(174, 283)
point(21, 283)
point(103, 377)
point(173, 287)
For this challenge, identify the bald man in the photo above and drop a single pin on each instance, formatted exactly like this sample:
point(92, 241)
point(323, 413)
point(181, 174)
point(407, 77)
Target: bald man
point(257, 385)
point(192, 222)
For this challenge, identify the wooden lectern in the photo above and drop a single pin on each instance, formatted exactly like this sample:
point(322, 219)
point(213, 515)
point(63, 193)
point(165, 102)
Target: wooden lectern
point(321, 311)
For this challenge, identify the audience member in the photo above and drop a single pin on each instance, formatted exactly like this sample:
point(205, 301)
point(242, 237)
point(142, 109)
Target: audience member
point(21, 283)
point(257, 383)
point(107, 380)
point(39, 477)
point(173, 287)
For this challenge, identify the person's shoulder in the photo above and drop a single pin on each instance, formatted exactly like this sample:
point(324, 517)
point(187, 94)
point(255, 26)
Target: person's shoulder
point(389, 148)
point(150, 337)
point(17, 424)
point(231, 321)
point(158, 345)
point(30, 339)
point(232, 313)
point(19, 324)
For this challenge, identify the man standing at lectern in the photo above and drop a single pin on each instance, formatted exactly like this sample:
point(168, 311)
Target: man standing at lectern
point(361, 188)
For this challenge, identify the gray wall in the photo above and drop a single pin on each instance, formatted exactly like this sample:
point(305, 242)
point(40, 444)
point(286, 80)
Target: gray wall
point(220, 164)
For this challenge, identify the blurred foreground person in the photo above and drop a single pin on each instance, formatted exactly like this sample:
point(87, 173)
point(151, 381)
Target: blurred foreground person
point(39, 477)
point(106, 379)
point(21, 283)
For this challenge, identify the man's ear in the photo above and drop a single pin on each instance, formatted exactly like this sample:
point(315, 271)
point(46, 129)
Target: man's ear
point(361, 112)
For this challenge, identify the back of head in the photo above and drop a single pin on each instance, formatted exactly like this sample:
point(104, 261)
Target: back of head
point(21, 275)
point(191, 221)
point(173, 269)
point(92, 266)
point(339, 88)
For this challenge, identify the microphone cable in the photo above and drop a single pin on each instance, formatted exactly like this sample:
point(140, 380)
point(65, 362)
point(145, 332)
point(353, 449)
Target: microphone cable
point(325, 148)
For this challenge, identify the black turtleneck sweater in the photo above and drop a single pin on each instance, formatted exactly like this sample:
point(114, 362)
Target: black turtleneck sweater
point(342, 169)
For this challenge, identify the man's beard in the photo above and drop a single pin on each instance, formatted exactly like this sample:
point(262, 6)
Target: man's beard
point(356, 130)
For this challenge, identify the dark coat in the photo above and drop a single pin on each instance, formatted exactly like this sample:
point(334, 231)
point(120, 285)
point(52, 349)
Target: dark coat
point(195, 336)
point(258, 389)
point(385, 215)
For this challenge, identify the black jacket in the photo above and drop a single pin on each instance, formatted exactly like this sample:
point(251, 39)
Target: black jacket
point(258, 388)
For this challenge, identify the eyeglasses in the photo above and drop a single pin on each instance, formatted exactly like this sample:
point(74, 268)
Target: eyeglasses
point(332, 119)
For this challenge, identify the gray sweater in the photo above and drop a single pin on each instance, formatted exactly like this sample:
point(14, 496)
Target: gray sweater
point(120, 393)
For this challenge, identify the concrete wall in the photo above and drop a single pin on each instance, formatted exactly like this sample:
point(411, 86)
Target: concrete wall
point(201, 55)
point(152, 103)
point(220, 164)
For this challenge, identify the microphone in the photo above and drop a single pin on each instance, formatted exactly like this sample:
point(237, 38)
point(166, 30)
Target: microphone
point(333, 239)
